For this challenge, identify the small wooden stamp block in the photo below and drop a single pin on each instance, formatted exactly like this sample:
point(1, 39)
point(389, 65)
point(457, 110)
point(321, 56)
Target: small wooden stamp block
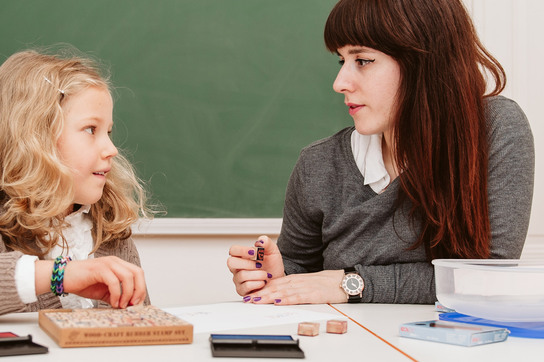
point(335, 326)
point(308, 329)
point(258, 254)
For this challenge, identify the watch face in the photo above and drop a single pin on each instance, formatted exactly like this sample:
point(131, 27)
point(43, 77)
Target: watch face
point(353, 284)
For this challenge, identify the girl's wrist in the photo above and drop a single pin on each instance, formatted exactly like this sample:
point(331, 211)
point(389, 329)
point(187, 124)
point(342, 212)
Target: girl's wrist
point(42, 276)
point(57, 276)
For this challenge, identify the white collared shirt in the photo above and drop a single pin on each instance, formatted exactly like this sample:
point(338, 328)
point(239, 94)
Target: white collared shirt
point(80, 244)
point(367, 152)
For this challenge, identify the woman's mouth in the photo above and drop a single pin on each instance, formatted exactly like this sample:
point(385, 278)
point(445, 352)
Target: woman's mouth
point(354, 108)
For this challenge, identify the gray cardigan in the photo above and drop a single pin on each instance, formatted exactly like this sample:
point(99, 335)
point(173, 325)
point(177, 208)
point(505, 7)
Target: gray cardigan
point(9, 298)
point(332, 220)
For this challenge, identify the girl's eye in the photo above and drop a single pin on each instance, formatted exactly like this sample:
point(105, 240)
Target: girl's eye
point(90, 129)
point(341, 61)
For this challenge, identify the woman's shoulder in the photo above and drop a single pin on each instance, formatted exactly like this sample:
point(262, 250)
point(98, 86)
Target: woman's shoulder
point(337, 141)
point(326, 163)
point(506, 119)
point(505, 112)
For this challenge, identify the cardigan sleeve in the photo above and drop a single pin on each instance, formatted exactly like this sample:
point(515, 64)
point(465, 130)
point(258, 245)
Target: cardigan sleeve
point(510, 177)
point(9, 298)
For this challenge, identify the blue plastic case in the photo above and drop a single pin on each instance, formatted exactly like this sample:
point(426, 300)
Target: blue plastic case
point(453, 333)
point(517, 329)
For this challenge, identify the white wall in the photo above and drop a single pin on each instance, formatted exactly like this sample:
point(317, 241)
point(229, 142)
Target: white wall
point(189, 269)
point(513, 31)
point(185, 259)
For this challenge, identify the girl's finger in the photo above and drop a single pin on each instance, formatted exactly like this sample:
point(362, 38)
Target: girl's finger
point(114, 287)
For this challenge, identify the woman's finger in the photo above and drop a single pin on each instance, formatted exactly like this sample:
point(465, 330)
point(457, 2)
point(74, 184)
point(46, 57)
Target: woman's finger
point(235, 263)
point(249, 287)
point(250, 275)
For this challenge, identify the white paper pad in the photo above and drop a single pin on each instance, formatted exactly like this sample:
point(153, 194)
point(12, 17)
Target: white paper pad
point(238, 315)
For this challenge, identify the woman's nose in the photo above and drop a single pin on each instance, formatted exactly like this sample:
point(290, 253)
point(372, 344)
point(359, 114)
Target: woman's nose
point(342, 83)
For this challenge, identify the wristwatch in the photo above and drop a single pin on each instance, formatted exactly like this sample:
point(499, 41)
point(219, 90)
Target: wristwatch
point(353, 285)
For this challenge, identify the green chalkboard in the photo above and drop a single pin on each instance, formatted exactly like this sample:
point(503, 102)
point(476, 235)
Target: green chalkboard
point(214, 98)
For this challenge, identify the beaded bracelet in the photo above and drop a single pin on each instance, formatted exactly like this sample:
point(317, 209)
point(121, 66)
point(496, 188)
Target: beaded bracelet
point(57, 278)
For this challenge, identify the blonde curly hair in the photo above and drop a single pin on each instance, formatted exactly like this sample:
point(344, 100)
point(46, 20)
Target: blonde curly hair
point(36, 187)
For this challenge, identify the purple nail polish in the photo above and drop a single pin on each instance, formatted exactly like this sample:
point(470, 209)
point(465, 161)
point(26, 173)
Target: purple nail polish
point(251, 252)
point(247, 298)
point(277, 300)
point(260, 241)
point(258, 265)
point(269, 275)
point(256, 299)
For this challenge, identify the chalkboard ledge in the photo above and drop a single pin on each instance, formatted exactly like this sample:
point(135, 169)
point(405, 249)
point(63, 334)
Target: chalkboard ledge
point(207, 226)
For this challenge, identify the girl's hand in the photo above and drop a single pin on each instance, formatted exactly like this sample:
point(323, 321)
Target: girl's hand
point(251, 275)
point(310, 288)
point(109, 279)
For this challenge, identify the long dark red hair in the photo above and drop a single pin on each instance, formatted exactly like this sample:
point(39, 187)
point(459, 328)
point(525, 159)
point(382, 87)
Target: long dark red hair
point(440, 131)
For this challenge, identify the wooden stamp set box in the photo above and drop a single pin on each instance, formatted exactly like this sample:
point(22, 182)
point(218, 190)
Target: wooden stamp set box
point(114, 327)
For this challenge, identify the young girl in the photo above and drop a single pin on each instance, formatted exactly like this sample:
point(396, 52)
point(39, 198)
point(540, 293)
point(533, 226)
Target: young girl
point(67, 198)
point(433, 167)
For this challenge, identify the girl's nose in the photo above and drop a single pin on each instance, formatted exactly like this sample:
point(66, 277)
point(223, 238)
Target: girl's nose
point(109, 150)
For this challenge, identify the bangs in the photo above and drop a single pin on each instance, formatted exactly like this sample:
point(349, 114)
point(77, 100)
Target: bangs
point(350, 23)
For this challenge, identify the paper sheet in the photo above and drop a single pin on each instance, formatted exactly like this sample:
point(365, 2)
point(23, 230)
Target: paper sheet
point(238, 315)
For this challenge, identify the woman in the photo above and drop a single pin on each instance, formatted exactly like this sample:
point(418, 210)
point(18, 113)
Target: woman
point(408, 183)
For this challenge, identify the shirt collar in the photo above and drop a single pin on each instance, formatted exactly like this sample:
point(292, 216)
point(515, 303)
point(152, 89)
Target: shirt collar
point(367, 152)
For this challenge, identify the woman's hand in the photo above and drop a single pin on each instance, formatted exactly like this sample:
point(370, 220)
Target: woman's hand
point(109, 279)
point(309, 288)
point(251, 275)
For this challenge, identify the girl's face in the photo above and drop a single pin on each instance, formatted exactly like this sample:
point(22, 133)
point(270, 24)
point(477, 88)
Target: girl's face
point(369, 80)
point(85, 145)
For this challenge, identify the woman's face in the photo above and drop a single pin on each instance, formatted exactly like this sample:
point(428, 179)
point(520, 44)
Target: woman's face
point(369, 81)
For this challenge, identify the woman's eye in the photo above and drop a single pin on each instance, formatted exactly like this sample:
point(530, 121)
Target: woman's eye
point(360, 62)
point(363, 62)
point(90, 129)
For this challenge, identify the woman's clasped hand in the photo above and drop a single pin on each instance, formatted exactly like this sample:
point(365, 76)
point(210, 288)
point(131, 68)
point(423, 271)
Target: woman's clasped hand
point(265, 281)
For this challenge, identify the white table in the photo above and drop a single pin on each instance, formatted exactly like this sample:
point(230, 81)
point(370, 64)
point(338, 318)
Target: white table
point(384, 321)
point(372, 336)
